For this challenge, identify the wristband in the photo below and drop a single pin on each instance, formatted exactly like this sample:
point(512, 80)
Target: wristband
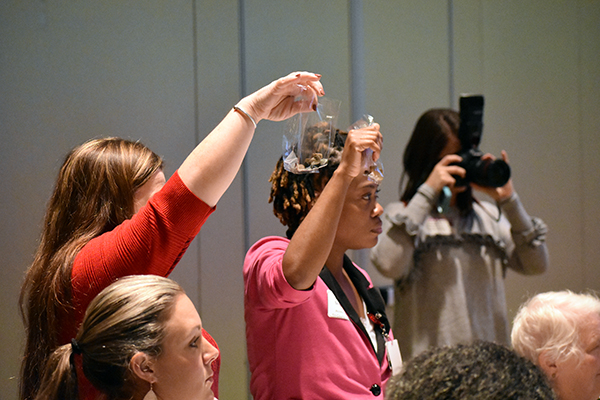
point(241, 111)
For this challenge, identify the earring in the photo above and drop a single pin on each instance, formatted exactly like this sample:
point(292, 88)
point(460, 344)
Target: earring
point(150, 395)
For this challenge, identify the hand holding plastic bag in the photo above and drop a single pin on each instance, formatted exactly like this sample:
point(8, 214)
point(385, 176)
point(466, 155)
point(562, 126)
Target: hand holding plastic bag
point(308, 138)
point(373, 169)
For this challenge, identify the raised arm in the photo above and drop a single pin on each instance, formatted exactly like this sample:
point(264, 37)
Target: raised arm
point(211, 167)
point(312, 243)
point(528, 251)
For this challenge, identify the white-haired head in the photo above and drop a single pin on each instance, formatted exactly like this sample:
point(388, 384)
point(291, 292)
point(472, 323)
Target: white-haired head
point(551, 323)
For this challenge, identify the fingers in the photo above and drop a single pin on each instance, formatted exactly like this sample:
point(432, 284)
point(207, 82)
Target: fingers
point(445, 171)
point(379, 142)
point(450, 159)
point(299, 91)
point(286, 96)
point(310, 79)
point(357, 142)
point(368, 138)
point(306, 103)
point(300, 83)
point(373, 128)
point(456, 170)
point(488, 156)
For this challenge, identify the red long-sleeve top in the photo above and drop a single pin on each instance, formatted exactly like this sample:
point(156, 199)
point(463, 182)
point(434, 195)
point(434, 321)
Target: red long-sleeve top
point(151, 243)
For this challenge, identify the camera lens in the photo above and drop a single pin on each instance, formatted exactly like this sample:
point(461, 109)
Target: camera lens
point(490, 173)
point(497, 173)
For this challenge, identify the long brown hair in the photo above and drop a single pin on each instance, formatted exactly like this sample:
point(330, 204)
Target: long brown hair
point(127, 317)
point(433, 130)
point(94, 193)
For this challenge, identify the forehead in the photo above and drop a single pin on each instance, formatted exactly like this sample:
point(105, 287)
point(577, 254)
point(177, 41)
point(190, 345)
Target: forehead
point(362, 182)
point(452, 146)
point(591, 329)
point(184, 317)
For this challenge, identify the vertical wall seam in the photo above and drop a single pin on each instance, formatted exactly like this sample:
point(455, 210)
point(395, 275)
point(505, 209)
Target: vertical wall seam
point(357, 59)
point(196, 89)
point(582, 153)
point(244, 170)
point(482, 48)
point(195, 72)
point(243, 89)
point(451, 96)
point(357, 82)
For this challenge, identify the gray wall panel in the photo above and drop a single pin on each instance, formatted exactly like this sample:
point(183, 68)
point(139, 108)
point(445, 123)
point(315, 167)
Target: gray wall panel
point(166, 73)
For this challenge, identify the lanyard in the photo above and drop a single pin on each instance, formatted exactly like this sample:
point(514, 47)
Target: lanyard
point(392, 347)
point(376, 319)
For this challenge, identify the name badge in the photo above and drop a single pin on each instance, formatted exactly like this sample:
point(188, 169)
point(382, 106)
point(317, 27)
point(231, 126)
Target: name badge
point(334, 308)
point(394, 357)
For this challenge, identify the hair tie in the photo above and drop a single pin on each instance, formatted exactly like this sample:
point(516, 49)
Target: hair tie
point(75, 347)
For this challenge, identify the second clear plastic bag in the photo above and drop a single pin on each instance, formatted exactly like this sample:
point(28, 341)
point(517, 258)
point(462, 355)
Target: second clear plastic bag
point(373, 169)
point(308, 138)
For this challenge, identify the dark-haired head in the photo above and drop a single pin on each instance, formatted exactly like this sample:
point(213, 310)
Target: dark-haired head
point(482, 370)
point(435, 131)
point(293, 195)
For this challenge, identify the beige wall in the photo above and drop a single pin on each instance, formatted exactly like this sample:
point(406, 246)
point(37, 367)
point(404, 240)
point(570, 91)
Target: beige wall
point(166, 72)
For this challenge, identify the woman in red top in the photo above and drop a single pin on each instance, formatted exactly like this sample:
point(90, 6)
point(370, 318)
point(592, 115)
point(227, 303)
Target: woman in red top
point(112, 215)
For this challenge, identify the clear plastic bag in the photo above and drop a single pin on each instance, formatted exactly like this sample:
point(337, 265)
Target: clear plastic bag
point(308, 138)
point(373, 169)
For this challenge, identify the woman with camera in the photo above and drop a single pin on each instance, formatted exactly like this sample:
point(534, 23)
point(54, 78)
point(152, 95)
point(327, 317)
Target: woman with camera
point(447, 251)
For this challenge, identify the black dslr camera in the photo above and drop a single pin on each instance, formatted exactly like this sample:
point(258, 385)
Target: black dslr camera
point(491, 173)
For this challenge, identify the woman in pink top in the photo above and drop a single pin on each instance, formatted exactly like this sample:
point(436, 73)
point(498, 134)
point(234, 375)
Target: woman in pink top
point(112, 215)
point(315, 325)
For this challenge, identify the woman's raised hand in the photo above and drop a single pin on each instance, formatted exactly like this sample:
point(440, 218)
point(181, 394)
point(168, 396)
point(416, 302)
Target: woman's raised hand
point(284, 97)
point(357, 142)
point(441, 175)
point(496, 193)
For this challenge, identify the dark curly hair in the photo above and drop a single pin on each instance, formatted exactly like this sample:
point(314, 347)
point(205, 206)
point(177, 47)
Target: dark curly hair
point(293, 195)
point(481, 370)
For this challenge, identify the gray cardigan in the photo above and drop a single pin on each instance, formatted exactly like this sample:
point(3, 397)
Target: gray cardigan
point(449, 271)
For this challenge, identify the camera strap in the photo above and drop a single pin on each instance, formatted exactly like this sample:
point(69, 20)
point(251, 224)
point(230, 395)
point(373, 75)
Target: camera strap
point(443, 204)
point(495, 218)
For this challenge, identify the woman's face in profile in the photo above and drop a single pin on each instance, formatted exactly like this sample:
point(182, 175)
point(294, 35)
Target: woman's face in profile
point(360, 223)
point(579, 379)
point(183, 368)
